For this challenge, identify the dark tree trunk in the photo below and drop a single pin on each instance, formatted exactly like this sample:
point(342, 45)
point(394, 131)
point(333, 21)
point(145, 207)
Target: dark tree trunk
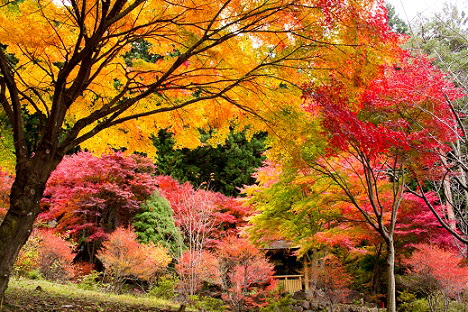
point(26, 193)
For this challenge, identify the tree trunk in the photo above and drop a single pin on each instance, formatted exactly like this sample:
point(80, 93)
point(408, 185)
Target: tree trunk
point(449, 203)
point(391, 287)
point(26, 193)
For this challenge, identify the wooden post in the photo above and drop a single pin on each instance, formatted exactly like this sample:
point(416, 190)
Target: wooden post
point(306, 274)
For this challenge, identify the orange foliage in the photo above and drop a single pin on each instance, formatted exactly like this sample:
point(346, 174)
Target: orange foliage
point(194, 268)
point(332, 279)
point(246, 273)
point(51, 255)
point(125, 259)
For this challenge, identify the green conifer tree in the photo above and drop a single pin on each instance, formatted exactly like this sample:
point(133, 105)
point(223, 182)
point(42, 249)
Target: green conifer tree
point(155, 223)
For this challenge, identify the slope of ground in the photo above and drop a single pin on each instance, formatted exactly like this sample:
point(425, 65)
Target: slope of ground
point(38, 295)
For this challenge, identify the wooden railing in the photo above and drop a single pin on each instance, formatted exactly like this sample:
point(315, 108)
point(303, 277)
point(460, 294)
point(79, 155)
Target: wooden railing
point(289, 283)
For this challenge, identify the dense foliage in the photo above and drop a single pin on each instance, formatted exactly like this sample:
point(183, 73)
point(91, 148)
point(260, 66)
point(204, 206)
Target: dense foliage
point(125, 259)
point(219, 167)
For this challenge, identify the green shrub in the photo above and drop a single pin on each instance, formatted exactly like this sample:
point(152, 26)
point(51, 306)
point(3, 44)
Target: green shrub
point(458, 306)
point(277, 303)
point(90, 281)
point(164, 288)
point(406, 297)
point(420, 305)
point(34, 275)
point(154, 223)
point(207, 304)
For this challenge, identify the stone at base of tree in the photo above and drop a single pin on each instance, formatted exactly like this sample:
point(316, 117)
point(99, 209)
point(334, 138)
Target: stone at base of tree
point(297, 309)
point(299, 295)
point(304, 295)
point(305, 305)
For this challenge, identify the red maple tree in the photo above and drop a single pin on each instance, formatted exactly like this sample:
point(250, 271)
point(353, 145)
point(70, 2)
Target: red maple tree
point(381, 133)
point(88, 197)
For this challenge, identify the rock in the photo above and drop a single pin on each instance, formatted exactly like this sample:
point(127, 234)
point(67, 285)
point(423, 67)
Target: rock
point(310, 295)
point(299, 295)
point(314, 306)
point(305, 305)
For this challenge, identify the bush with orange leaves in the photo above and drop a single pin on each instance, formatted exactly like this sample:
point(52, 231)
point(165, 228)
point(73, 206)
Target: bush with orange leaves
point(125, 259)
point(47, 253)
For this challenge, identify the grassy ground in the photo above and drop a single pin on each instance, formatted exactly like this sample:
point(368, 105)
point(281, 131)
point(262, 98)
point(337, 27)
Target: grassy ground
point(39, 295)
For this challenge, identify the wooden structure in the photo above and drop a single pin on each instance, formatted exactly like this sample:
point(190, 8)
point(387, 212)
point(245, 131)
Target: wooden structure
point(293, 274)
point(290, 283)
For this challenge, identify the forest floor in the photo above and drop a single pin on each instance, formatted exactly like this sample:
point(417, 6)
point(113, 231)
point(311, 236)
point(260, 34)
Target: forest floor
point(39, 295)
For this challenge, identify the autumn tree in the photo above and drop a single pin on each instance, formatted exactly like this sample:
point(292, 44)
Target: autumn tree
point(55, 256)
point(314, 213)
point(333, 280)
point(379, 135)
point(303, 208)
point(48, 254)
point(216, 64)
point(203, 216)
point(195, 267)
point(444, 37)
point(244, 271)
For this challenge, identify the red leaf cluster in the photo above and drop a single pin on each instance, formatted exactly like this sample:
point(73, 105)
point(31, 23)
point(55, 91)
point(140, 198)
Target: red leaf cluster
point(201, 211)
point(405, 109)
point(5, 185)
point(245, 272)
point(444, 267)
point(90, 196)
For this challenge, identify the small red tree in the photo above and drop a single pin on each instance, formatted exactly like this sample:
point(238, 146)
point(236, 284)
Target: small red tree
point(245, 272)
point(435, 271)
point(195, 267)
point(55, 257)
point(211, 215)
point(332, 279)
point(125, 259)
point(204, 217)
